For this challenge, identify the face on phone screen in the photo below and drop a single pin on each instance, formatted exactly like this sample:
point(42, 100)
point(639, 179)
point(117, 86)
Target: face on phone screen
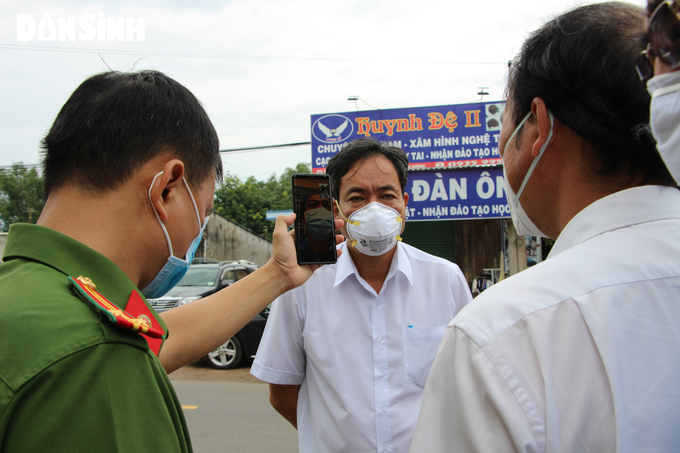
point(314, 229)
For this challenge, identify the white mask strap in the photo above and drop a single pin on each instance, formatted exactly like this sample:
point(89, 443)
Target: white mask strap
point(201, 225)
point(537, 158)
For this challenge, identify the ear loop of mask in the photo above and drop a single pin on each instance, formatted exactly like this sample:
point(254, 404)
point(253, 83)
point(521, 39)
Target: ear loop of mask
point(348, 221)
point(165, 231)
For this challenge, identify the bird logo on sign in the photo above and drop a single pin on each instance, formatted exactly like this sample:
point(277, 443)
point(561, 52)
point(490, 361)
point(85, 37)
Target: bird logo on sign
point(332, 128)
point(333, 132)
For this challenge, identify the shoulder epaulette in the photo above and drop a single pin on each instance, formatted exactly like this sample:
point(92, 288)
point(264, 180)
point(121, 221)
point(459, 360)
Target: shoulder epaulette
point(142, 323)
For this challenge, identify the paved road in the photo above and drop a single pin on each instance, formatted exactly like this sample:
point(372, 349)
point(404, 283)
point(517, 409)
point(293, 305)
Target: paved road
point(231, 416)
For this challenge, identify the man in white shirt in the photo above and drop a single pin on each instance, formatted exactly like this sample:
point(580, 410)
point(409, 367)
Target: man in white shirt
point(348, 354)
point(578, 353)
point(659, 67)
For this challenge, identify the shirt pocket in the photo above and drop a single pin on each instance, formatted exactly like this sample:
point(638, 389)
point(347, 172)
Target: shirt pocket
point(420, 348)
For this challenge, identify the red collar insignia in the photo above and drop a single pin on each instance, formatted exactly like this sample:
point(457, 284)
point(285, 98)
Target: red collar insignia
point(137, 317)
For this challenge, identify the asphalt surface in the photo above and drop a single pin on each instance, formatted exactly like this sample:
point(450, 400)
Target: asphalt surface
point(229, 411)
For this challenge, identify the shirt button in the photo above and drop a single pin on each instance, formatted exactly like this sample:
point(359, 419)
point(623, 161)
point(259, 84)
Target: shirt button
point(381, 375)
point(381, 413)
point(384, 450)
point(379, 339)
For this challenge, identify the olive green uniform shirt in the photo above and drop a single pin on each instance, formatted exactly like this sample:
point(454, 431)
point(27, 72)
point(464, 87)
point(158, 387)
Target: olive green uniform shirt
point(70, 379)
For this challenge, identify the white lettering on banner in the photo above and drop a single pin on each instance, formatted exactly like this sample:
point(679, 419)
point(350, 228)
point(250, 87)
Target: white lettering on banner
point(417, 156)
point(446, 141)
point(500, 187)
point(420, 143)
point(477, 140)
point(439, 191)
point(437, 211)
point(64, 29)
point(322, 161)
point(442, 154)
point(421, 190)
point(456, 188)
point(500, 209)
point(485, 180)
point(333, 148)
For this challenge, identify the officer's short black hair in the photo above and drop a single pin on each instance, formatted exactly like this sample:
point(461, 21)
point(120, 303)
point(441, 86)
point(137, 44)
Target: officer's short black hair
point(582, 64)
point(356, 150)
point(115, 122)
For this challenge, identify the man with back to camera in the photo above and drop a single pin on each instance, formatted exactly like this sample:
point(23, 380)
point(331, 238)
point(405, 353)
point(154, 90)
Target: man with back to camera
point(348, 353)
point(658, 67)
point(580, 352)
point(130, 166)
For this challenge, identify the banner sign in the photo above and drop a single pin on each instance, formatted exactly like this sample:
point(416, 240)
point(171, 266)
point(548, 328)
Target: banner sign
point(468, 193)
point(447, 136)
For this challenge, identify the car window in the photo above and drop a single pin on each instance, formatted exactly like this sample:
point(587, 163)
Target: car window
point(240, 273)
point(229, 275)
point(199, 277)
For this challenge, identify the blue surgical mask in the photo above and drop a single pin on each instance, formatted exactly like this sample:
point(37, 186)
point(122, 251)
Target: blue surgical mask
point(175, 268)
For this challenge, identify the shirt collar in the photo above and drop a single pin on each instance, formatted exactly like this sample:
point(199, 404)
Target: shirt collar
point(346, 266)
point(619, 210)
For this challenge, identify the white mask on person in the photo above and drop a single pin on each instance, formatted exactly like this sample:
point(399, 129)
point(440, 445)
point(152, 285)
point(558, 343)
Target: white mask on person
point(374, 229)
point(665, 119)
point(520, 219)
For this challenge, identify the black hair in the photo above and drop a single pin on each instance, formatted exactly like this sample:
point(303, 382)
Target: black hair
point(582, 64)
point(115, 122)
point(360, 149)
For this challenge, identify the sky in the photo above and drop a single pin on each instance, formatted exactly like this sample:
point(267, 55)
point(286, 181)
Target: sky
point(261, 68)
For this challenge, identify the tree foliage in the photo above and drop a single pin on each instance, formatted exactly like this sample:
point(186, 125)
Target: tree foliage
point(247, 202)
point(22, 195)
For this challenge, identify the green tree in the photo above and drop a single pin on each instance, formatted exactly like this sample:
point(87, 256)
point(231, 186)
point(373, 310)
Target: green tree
point(247, 202)
point(22, 195)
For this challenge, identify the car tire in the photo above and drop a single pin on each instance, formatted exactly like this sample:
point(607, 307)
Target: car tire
point(227, 356)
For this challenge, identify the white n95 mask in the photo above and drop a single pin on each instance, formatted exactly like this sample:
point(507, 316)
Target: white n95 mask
point(665, 119)
point(523, 224)
point(374, 229)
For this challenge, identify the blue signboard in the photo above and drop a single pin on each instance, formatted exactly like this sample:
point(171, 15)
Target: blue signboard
point(447, 136)
point(468, 193)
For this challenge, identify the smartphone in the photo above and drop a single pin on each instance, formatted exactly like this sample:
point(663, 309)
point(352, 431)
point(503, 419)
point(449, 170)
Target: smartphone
point(314, 221)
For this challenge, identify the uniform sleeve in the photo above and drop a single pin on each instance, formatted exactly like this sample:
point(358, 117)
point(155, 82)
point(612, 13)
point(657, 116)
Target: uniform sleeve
point(468, 406)
point(280, 358)
point(107, 398)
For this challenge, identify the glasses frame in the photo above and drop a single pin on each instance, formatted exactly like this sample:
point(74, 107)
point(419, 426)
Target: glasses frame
point(662, 44)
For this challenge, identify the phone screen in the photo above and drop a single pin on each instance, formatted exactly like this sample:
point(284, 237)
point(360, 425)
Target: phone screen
point(314, 222)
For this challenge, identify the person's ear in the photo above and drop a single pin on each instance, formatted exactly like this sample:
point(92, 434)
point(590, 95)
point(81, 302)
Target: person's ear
point(405, 199)
point(165, 187)
point(540, 112)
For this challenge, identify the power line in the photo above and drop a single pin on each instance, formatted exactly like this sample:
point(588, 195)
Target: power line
point(230, 150)
point(254, 148)
point(36, 48)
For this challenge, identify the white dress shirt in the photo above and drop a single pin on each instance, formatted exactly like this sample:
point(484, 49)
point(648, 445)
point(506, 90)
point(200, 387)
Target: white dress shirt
point(580, 353)
point(361, 358)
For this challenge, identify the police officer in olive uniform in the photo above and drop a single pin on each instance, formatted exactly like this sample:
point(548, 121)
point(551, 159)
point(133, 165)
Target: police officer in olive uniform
point(130, 166)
